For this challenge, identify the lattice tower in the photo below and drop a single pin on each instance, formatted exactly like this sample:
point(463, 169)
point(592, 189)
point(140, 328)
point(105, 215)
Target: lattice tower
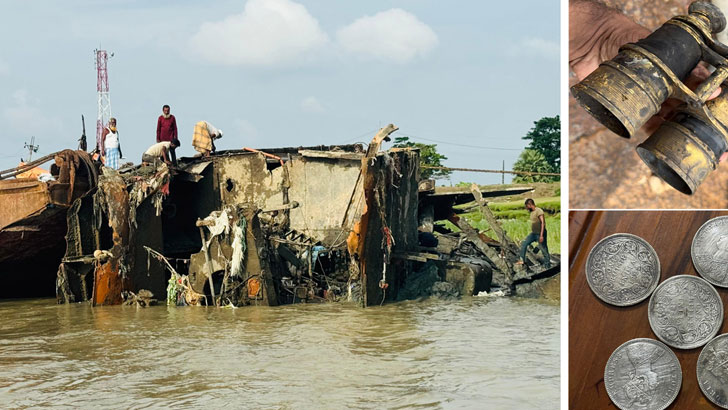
point(102, 88)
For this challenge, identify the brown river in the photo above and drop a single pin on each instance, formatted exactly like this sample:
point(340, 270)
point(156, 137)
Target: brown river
point(476, 353)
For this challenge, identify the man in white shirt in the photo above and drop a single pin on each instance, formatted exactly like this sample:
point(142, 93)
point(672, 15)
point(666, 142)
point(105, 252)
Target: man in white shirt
point(162, 150)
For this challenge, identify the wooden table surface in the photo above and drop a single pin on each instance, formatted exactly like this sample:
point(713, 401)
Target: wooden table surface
point(596, 328)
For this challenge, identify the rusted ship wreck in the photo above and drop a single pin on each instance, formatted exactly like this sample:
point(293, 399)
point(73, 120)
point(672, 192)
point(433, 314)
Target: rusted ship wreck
point(276, 226)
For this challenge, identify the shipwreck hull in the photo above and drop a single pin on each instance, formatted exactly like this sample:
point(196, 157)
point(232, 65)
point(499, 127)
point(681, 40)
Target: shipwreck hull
point(288, 225)
point(246, 227)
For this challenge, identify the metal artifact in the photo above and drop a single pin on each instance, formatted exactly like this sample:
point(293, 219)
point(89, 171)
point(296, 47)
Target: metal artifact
point(685, 311)
point(710, 251)
point(642, 374)
point(622, 269)
point(712, 370)
point(625, 92)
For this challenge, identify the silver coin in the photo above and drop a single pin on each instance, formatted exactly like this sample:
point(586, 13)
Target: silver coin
point(622, 269)
point(642, 374)
point(685, 311)
point(710, 251)
point(712, 370)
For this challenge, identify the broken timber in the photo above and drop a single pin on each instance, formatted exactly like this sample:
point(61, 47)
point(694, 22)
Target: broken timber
point(503, 238)
point(500, 261)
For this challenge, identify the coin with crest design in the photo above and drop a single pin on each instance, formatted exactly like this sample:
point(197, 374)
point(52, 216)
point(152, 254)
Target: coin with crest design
point(622, 269)
point(685, 311)
point(642, 374)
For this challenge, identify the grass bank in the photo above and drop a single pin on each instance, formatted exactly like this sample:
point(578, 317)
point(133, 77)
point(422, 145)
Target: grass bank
point(513, 217)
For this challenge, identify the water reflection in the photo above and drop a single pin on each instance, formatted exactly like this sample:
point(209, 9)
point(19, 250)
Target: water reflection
point(474, 353)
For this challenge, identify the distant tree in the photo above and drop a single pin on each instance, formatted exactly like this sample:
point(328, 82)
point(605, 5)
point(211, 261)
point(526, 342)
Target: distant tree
point(428, 156)
point(532, 161)
point(545, 137)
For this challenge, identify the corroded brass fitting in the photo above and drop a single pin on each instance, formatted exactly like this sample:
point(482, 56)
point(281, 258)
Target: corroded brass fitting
point(684, 150)
point(625, 92)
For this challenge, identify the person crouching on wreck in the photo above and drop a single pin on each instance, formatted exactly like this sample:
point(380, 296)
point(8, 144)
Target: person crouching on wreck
point(110, 142)
point(203, 139)
point(538, 233)
point(161, 151)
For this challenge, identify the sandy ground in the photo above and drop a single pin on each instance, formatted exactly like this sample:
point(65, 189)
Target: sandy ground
point(605, 170)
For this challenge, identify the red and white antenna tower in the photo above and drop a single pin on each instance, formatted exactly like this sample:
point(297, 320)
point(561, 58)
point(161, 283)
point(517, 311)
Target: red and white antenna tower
point(102, 87)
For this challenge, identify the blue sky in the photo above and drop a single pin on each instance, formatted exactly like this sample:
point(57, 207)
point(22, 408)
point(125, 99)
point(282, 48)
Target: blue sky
point(274, 73)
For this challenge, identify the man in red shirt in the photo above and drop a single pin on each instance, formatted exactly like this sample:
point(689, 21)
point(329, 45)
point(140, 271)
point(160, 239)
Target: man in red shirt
point(166, 126)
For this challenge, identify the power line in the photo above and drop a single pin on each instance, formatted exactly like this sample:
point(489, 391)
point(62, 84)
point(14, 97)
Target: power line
point(362, 135)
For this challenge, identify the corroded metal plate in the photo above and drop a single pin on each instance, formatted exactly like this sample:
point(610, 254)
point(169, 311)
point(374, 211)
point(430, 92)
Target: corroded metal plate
point(685, 311)
point(712, 370)
point(710, 251)
point(642, 374)
point(622, 269)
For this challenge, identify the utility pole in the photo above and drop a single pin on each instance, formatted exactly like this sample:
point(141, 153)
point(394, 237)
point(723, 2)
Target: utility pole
point(503, 174)
point(31, 148)
point(104, 99)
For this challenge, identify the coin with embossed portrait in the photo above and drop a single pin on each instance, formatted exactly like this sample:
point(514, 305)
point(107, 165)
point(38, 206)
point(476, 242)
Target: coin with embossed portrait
point(642, 374)
point(685, 311)
point(712, 370)
point(710, 251)
point(622, 269)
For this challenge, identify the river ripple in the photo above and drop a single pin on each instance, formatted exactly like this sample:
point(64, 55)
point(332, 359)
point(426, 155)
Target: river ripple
point(474, 353)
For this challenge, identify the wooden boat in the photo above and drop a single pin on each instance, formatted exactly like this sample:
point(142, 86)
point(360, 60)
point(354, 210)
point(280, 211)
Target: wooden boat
point(33, 212)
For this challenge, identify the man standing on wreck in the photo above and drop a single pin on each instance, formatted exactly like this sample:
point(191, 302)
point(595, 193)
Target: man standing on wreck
point(110, 142)
point(166, 126)
point(538, 233)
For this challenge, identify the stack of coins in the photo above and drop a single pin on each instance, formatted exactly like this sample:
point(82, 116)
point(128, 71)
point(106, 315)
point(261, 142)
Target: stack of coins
point(684, 312)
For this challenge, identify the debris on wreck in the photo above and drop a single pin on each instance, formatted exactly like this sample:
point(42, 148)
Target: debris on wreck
point(142, 299)
point(468, 259)
point(279, 226)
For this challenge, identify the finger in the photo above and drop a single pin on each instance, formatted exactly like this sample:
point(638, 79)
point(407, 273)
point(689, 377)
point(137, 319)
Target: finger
point(700, 71)
point(724, 156)
point(716, 93)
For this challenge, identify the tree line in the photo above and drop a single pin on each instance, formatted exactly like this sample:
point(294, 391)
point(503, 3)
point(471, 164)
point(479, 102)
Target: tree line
point(543, 154)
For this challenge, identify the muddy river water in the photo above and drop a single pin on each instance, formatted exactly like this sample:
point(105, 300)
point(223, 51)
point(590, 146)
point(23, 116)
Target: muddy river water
point(494, 353)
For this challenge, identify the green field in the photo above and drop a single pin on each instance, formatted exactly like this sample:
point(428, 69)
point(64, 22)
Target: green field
point(513, 217)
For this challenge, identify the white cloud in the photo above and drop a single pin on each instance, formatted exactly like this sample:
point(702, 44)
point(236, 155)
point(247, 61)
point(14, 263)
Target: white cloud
point(266, 33)
point(392, 35)
point(25, 117)
point(538, 46)
point(4, 68)
point(312, 104)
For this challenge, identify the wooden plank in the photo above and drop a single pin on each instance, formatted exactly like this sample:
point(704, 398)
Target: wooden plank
point(506, 241)
point(596, 328)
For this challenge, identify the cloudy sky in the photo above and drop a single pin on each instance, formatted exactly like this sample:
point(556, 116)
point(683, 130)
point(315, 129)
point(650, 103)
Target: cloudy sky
point(470, 76)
